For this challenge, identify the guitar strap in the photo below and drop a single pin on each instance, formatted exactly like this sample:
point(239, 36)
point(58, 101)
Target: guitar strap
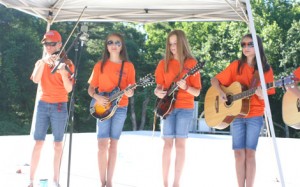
point(255, 80)
point(121, 73)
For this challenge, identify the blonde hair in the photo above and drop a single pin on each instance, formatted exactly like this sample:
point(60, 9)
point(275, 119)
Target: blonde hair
point(183, 49)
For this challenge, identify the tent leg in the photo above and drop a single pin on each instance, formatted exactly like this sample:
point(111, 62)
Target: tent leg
point(266, 99)
point(38, 94)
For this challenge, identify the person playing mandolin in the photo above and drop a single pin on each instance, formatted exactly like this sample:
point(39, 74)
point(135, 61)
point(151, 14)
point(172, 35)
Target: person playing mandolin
point(246, 130)
point(110, 75)
point(170, 71)
point(52, 104)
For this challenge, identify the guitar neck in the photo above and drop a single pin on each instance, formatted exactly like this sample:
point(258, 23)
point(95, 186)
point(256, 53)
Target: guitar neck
point(251, 92)
point(121, 93)
point(174, 86)
point(244, 94)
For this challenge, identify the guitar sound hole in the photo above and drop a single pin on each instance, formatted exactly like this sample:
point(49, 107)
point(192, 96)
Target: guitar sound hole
point(229, 100)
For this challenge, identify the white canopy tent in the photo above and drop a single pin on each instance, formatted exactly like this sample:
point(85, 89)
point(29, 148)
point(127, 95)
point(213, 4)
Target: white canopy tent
point(149, 11)
point(141, 11)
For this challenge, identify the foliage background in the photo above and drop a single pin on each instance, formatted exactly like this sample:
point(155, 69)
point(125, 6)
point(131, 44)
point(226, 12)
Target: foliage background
point(216, 43)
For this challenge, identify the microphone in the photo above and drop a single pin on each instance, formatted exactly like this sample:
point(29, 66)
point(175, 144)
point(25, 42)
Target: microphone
point(84, 36)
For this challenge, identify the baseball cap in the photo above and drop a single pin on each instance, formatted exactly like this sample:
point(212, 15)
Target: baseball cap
point(52, 35)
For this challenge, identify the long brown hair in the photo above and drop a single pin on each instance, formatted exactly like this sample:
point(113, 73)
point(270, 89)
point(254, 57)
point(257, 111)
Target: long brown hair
point(264, 61)
point(106, 54)
point(183, 49)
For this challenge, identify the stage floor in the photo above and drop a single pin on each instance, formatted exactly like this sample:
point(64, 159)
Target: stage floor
point(209, 161)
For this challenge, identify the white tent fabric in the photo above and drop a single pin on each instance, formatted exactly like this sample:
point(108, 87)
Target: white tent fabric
point(139, 11)
point(149, 11)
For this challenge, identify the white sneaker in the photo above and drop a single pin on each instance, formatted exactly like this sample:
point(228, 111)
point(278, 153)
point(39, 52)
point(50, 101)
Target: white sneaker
point(55, 184)
point(30, 184)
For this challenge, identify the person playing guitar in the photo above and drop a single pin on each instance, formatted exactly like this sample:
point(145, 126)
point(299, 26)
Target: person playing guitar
point(291, 103)
point(246, 130)
point(294, 88)
point(113, 72)
point(174, 128)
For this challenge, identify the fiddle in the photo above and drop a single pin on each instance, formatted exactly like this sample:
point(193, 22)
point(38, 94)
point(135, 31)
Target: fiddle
point(63, 58)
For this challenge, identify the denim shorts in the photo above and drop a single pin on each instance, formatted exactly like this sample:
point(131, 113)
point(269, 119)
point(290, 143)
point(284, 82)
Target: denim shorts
point(176, 125)
point(245, 132)
point(55, 114)
point(112, 127)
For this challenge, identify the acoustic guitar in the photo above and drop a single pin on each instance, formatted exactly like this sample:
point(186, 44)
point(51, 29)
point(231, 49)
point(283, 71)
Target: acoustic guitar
point(291, 109)
point(219, 115)
point(165, 105)
point(105, 112)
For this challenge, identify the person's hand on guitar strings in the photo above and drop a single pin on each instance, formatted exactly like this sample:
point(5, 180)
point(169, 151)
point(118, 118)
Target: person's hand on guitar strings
point(160, 92)
point(223, 96)
point(259, 93)
point(102, 100)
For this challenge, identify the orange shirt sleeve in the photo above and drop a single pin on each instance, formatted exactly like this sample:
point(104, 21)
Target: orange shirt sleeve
point(93, 80)
point(297, 73)
point(227, 76)
point(161, 77)
point(269, 77)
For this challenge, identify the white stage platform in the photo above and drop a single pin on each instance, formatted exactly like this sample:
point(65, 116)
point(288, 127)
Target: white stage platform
point(209, 161)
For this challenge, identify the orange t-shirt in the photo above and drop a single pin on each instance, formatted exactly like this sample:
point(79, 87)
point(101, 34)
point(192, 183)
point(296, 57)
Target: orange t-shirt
point(53, 90)
point(297, 73)
point(108, 80)
point(230, 75)
point(183, 99)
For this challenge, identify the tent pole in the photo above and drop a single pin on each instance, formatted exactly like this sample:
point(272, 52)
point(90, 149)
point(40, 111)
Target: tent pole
point(264, 90)
point(38, 94)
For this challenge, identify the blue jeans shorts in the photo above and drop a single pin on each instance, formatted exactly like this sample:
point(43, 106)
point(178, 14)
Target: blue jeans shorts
point(55, 114)
point(176, 125)
point(245, 132)
point(112, 127)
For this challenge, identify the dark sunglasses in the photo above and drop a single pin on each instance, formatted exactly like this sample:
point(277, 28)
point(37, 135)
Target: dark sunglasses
point(50, 44)
point(117, 43)
point(248, 45)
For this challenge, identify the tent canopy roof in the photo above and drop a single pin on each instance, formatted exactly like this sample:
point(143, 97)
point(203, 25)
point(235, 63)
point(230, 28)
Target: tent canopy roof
point(138, 11)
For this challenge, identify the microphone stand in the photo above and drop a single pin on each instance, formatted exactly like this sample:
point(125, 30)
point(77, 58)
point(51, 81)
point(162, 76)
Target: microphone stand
point(72, 101)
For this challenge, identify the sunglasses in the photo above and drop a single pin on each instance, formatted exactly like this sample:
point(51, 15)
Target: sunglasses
point(248, 45)
point(50, 44)
point(117, 43)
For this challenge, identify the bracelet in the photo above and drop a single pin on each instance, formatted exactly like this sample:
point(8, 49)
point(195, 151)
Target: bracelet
point(187, 87)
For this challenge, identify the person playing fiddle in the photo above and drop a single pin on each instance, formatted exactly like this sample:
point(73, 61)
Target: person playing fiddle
point(52, 104)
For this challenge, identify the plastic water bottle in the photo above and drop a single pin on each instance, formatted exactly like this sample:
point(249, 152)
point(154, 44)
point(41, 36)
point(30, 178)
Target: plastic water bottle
point(44, 183)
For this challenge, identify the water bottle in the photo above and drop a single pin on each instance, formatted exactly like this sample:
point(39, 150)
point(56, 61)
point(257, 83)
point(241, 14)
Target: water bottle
point(44, 183)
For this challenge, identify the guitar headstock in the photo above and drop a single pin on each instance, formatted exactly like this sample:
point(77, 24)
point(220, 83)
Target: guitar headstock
point(284, 81)
point(146, 81)
point(196, 68)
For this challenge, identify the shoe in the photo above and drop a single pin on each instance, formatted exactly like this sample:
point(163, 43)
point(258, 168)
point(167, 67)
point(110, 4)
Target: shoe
point(55, 184)
point(30, 184)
